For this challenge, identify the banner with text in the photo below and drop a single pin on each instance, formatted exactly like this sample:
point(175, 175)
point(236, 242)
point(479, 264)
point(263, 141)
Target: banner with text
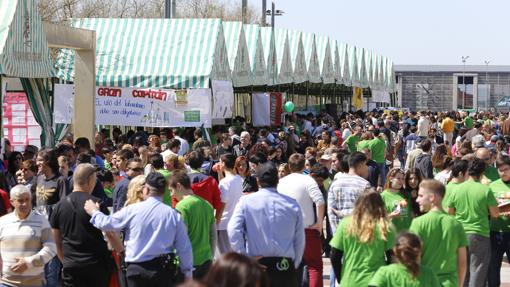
point(140, 107)
point(223, 99)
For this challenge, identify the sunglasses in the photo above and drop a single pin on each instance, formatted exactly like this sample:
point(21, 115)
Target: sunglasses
point(136, 169)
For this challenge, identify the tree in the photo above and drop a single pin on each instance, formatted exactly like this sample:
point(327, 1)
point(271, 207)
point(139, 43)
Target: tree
point(60, 11)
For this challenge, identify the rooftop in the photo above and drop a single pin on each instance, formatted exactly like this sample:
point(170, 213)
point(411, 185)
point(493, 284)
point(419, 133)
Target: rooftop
point(452, 68)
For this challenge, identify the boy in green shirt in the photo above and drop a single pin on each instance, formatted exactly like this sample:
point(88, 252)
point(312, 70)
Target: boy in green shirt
point(500, 227)
point(472, 203)
point(377, 147)
point(352, 141)
point(198, 216)
point(444, 240)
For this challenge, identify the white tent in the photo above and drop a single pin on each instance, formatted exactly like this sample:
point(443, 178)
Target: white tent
point(238, 56)
point(271, 58)
point(256, 53)
point(283, 56)
point(326, 58)
point(297, 55)
point(311, 57)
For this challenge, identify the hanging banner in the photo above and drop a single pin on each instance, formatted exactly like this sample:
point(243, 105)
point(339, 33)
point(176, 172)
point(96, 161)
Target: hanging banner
point(223, 99)
point(140, 107)
point(381, 97)
point(267, 109)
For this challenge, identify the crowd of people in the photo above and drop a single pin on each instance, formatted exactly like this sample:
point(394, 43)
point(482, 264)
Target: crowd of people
point(392, 198)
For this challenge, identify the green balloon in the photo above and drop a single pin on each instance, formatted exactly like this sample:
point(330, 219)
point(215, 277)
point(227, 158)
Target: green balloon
point(289, 107)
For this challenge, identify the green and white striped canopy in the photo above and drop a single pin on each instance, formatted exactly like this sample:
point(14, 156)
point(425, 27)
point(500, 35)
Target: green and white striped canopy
point(362, 68)
point(154, 53)
point(256, 52)
point(311, 57)
point(344, 72)
point(353, 66)
point(297, 56)
point(325, 57)
point(269, 45)
point(238, 56)
point(283, 57)
point(24, 51)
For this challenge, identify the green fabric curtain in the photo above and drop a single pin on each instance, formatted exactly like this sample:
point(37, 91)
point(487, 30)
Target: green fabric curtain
point(40, 101)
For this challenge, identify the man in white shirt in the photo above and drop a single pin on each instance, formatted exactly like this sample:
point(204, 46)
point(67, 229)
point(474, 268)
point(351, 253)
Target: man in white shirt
point(231, 187)
point(423, 125)
point(184, 143)
point(26, 242)
point(306, 192)
point(172, 147)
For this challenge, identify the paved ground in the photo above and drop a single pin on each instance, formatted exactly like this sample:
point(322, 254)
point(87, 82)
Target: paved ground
point(505, 273)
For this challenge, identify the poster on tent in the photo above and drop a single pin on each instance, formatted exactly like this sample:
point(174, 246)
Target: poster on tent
point(380, 97)
point(223, 99)
point(139, 107)
point(267, 109)
point(195, 112)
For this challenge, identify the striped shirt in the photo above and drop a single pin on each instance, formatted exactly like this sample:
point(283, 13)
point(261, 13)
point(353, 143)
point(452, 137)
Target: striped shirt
point(342, 195)
point(30, 238)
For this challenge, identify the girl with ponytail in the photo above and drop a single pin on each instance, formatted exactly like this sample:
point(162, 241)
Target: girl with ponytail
point(362, 240)
point(407, 271)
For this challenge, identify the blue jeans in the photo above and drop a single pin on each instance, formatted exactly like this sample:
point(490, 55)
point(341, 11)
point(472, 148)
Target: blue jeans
point(52, 271)
point(382, 173)
point(500, 244)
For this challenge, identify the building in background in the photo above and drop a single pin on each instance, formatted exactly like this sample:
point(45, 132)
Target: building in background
point(446, 88)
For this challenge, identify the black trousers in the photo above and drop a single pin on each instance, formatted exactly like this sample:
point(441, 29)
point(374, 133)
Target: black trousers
point(85, 276)
point(148, 274)
point(280, 271)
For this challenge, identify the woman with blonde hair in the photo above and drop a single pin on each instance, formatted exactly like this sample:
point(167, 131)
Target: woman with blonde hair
point(362, 240)
point(135, 190)
point(174, 162)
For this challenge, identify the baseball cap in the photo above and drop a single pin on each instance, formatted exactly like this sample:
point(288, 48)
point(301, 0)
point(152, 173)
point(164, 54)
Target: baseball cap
point(326, 157)
point(494, 138)
point(478, 141)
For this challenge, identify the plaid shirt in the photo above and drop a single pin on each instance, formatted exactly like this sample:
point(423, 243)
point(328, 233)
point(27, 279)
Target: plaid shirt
point(342, 195)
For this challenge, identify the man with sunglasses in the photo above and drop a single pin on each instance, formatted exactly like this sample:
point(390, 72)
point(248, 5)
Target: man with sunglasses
point(134, 168)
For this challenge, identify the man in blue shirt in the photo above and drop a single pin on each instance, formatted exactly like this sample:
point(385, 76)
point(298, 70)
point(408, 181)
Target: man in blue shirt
point(268, 226)
point(153, 230)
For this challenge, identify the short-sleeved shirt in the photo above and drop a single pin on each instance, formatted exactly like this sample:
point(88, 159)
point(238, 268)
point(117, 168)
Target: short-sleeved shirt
point(352, 142)
point(198, 216)
point(491, 173)
point(377, 147)
point(442, 236)
point(363, 145)
point(450, 188)
point(500, 189)
point(231, 188)
point(398, 275)
point(167, 197)
point(468, 122)
point(82, 243)
point(360, 260)
point(393, 201)
point(471, 201)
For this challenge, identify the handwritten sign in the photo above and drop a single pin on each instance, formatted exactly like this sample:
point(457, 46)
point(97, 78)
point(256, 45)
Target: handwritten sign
point(140, 107)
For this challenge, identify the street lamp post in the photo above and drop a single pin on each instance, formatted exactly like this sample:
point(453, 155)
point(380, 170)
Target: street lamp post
point(464, 59)
point(487, 87)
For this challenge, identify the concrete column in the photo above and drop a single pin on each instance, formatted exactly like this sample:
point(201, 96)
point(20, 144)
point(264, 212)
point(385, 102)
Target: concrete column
point(475, 91)
point(84, 116)
point(454, 92)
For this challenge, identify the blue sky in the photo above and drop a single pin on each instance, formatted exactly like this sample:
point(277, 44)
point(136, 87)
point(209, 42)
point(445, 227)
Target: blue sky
point(409, 32)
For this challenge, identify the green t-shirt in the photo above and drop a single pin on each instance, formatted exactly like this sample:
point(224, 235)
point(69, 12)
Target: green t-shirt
point(397, 275)
point(450, 188)
point(377, 147)
point(360, 260)
point(352, 142)
point(491, 173)
point(468, 122)
point(108, 191)
point(499, 189)
point(167, 197)
point(363, 145)
point(198, 216)
point(391, 202)
point(442, 236)
point(471, 201)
